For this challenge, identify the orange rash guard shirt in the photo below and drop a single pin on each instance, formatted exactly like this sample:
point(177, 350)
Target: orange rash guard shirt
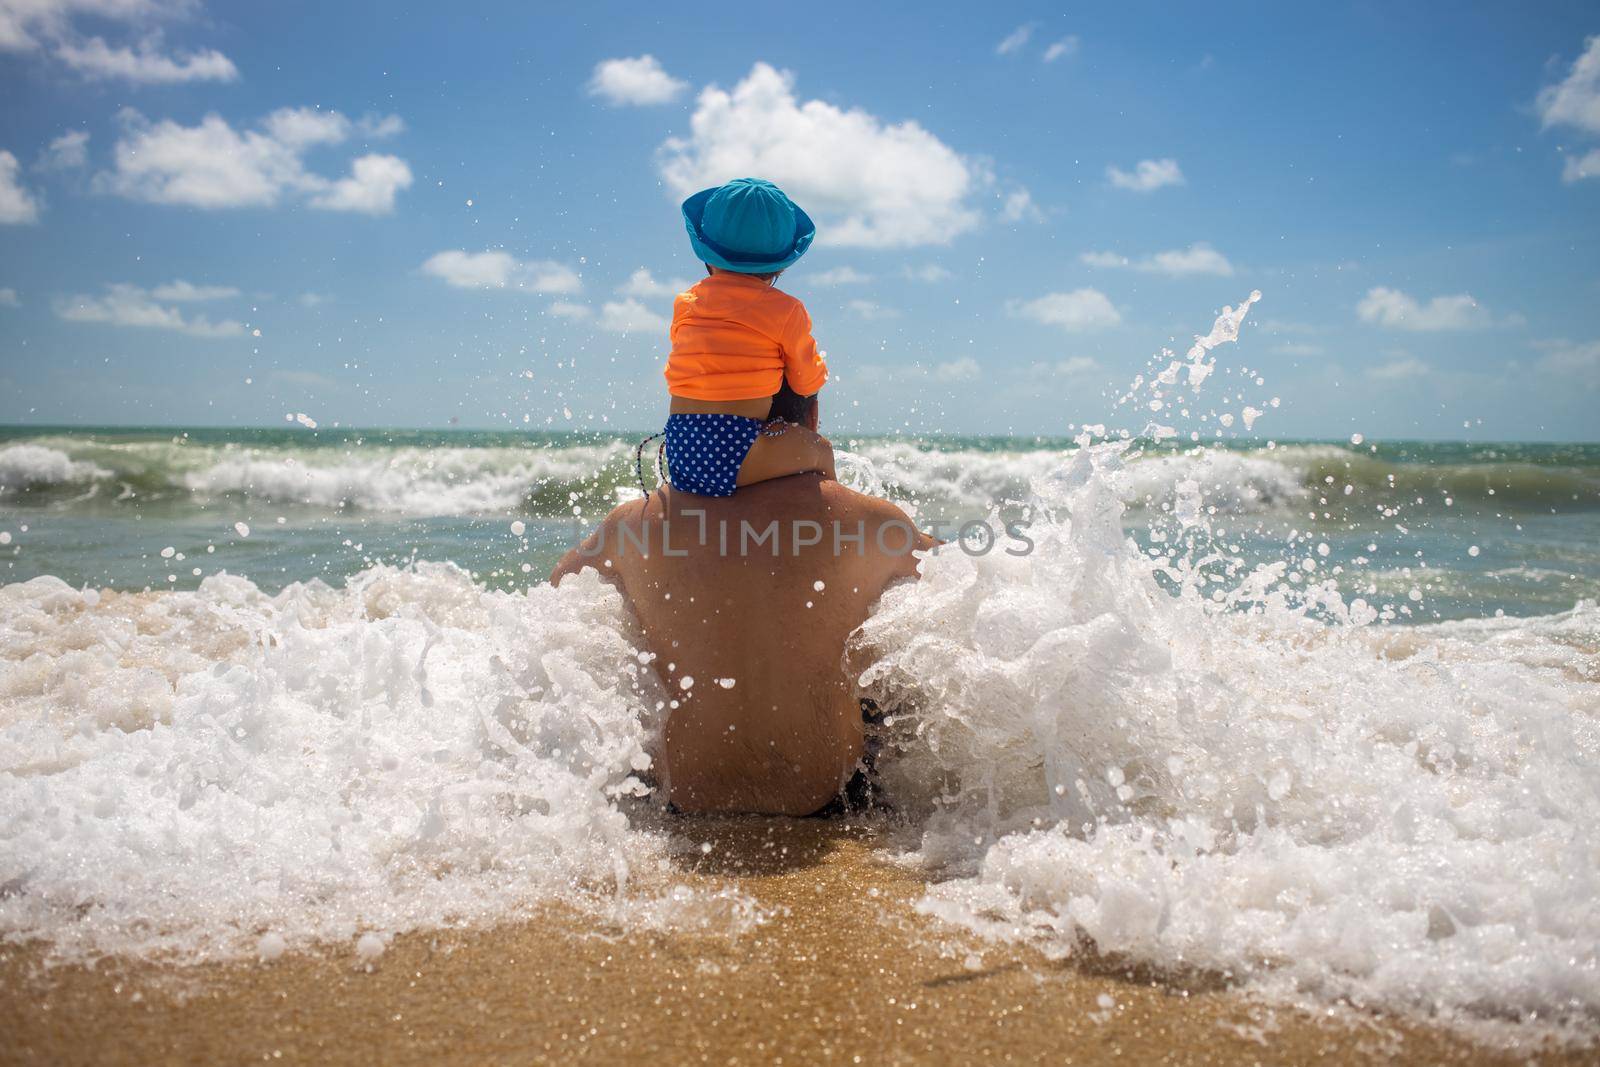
point(735, 337)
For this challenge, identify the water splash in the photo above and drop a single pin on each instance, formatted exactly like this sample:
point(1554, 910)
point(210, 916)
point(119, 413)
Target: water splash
point(182, 774)
point(1193, 762)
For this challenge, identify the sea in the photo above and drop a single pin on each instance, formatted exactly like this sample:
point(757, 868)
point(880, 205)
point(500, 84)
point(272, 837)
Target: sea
point(1481, 529)
point(1321, 717)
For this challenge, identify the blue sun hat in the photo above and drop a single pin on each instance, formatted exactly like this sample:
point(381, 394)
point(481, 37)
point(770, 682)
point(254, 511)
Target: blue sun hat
point(747, 226)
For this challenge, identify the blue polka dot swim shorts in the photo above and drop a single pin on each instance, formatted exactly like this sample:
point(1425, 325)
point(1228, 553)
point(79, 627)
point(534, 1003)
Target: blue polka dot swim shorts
point(705, 451)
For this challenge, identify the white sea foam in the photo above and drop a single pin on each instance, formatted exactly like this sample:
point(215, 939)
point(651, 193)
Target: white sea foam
point(412, 481)
point(972, 479)
point(1407, 818)
point(1232, 482)
point(442, 480)
point(26, 465)
point(189, 772)
point(939, 475)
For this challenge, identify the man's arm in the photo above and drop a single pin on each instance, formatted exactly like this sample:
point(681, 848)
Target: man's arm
point(896, 538)
point(589, 553)
point(893, 538)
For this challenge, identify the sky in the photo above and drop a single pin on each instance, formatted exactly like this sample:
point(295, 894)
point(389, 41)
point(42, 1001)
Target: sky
point(467, 215)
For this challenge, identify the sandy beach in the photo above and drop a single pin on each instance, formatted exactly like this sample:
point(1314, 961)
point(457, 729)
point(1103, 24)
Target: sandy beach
point(844, 971)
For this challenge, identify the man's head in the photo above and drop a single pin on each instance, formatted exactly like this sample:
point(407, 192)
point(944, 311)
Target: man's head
point(790, 406)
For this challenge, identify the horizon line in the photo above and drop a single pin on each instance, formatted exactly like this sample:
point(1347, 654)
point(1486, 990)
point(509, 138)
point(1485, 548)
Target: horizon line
point(1261, 440)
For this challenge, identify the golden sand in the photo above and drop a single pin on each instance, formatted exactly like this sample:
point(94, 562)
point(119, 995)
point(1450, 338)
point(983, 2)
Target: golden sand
point(844, 972)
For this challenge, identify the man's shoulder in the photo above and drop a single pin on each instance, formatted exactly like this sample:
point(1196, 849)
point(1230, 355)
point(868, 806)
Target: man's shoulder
point(632, 512)
point(841, 498)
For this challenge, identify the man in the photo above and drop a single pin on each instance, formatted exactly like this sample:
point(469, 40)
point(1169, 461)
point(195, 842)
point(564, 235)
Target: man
point(746, 603)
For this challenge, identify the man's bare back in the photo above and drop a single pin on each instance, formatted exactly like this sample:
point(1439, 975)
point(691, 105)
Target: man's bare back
point(746, 602)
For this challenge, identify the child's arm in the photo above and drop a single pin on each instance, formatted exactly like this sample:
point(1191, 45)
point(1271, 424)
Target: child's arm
point(796, 450)
point(803, 364)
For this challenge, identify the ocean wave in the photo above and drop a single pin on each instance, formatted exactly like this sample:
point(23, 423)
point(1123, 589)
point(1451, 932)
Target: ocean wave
point(1403, 818)
point(1337, 480)
point(31, 466)
point(1232, 482)
point(551, 478)
point(978, 479)
point(1504, 483)
point(436, 481)
point(181, 774)
point(439, 480)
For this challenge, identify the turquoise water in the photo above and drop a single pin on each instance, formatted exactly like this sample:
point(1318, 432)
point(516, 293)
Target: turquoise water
point(1440, 530)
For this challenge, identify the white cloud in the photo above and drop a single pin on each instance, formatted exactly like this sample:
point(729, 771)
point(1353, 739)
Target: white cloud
point(28, 24)
point(1576, 364)
point(1076, 312)
point(380, 126)
point(1575, 100)
point(17, 205)
point(1108, 260)
point(1199, 258)
point(8, 298)
point(1014, 40)
point(48, 26)
point(840, 276)
point(146, 65)
point(639, 81)
point(129, 305)
point(1399, 370)
point(1400, 311)
point(371, 187)
point(67, 152)
point(501, 270)
point(301, 127)
point(630, 316)
point(1019, 207)
point(964, 369)
point(1196, 259)
point(1067, 46)
point(643, 284)
point(869, 184)
point(869, 309)
point(566, 309)
point(211, 165)
point(186, 292)
point(1076, 365)
point(1579, 167)
point(304, 127)
point(928, 272)
point(472, 270)
point(1147, 175)
point(208, 165)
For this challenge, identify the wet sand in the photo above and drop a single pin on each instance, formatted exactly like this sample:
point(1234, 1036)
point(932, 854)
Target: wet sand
point(844, 972)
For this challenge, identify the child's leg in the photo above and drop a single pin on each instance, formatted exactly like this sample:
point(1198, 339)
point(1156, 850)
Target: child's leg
point(796, 450)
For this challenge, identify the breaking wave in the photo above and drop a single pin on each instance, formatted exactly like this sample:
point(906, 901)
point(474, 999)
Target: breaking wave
point(185, 774)
point(458, 476)
point(1199, 776)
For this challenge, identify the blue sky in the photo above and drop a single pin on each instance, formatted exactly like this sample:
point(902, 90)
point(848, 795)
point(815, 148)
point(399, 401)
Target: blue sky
point(440, 217)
